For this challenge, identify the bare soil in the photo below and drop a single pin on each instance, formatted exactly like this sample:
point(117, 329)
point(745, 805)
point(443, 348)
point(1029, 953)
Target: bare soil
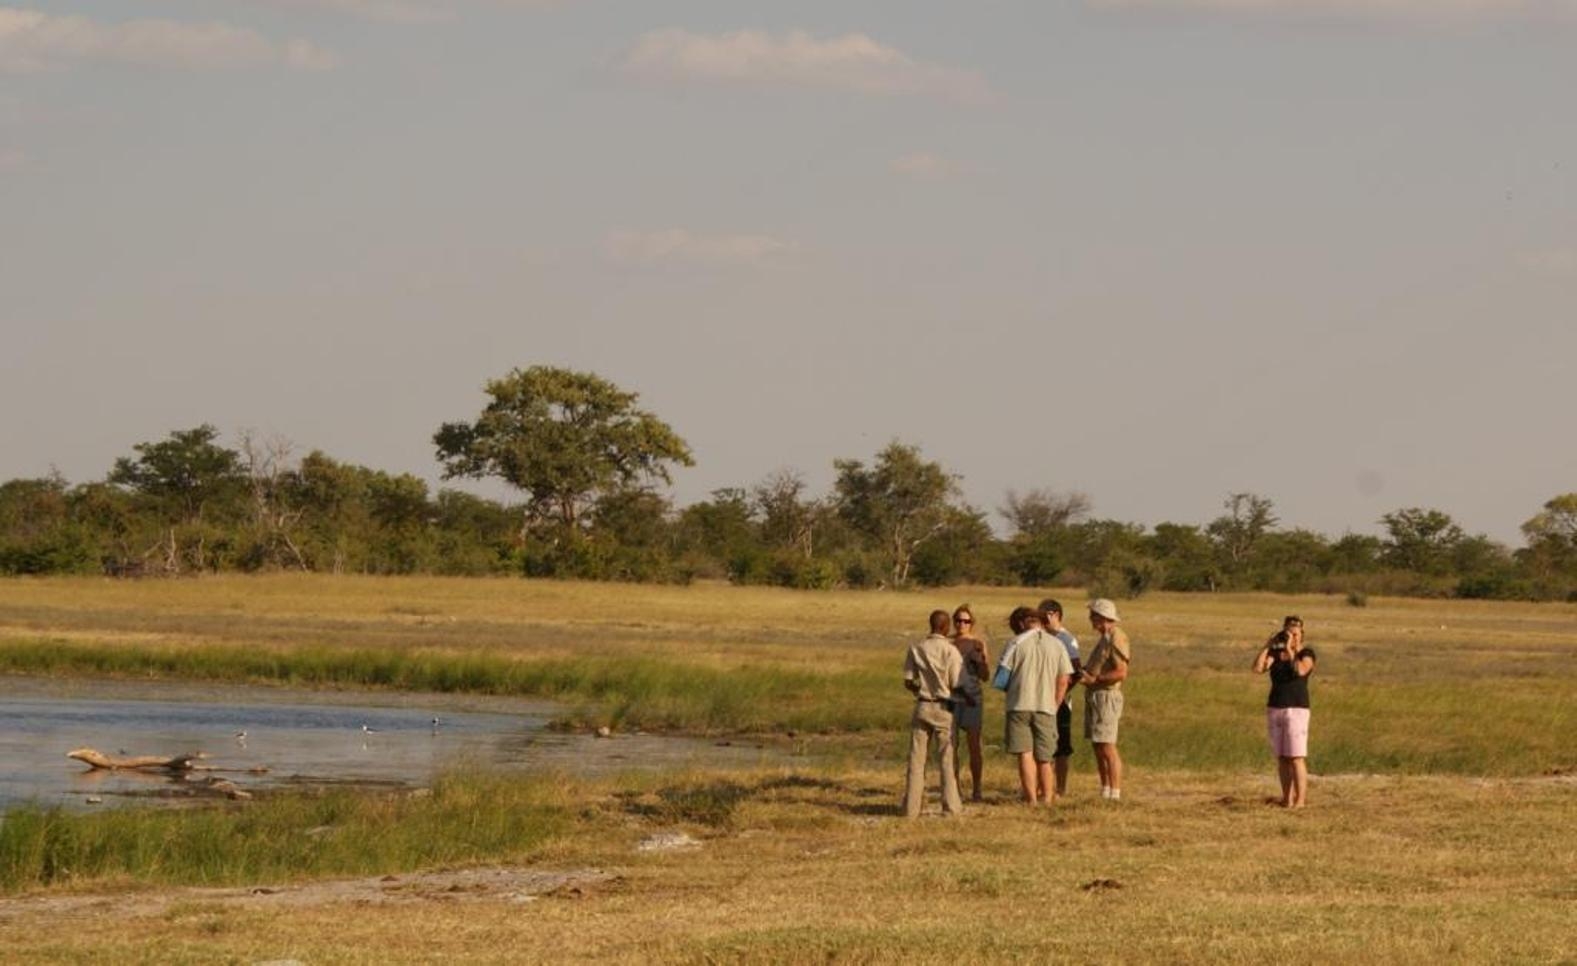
point(460, 885)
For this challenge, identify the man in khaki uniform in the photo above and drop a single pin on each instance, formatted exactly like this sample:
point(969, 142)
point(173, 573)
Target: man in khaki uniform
point(931, 671)
point(1103, 675)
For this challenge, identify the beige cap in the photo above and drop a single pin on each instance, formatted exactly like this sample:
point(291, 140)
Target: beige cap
point(1102, 607)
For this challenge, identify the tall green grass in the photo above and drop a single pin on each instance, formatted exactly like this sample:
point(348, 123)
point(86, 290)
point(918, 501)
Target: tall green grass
point(1200, 721)
point(345, 832)
point(632, 692)
point(1193, 707)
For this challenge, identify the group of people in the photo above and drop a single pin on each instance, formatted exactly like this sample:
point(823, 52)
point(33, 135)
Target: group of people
point(949, 671)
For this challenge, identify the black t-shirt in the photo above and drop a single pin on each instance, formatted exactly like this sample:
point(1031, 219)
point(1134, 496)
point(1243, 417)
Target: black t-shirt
point(1289, 689)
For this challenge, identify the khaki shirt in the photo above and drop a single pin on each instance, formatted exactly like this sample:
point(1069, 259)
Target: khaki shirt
point(1109, 652)
point(932, 668)
point(1035, 662)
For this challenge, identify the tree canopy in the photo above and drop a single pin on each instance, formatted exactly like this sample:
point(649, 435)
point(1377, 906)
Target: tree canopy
point(901, 500)
point(589, 465)
point(563, 438)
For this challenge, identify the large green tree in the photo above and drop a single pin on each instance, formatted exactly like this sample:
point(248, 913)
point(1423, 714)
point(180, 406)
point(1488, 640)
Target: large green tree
point(900, 501)
point(1420, 540)
point(185, 473)
point(1551, 554)
point(564, 439)
point(183, 478)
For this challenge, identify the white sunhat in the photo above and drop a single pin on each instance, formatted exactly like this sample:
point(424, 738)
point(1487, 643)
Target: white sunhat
point(1102, 607)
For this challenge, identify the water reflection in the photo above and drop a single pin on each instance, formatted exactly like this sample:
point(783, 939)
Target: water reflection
point(300, 737)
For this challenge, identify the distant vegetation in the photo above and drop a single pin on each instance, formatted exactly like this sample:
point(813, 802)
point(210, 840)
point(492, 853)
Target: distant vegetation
point(590, 466)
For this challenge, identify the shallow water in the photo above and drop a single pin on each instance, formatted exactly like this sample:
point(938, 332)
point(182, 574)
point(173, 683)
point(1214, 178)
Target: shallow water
point(301, 737)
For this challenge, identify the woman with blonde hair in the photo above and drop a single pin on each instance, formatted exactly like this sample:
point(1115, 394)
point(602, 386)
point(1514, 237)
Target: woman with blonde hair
point(967, 718)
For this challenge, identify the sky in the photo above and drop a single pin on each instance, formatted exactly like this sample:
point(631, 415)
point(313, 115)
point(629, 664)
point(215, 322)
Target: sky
point(1158, 251)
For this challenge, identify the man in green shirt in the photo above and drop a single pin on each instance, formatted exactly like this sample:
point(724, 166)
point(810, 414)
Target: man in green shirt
point(1038, 671)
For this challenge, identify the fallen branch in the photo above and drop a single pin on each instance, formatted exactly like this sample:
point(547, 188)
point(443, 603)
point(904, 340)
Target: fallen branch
point(97, 759)
point(227, 788)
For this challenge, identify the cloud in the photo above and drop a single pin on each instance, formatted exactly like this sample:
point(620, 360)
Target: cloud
point(403, 11)
point(388, 11)
point(675, 246)
point(850, 62)
point(1416, 11)
point(922, 166)
point(31, 40)
point(1556, 262)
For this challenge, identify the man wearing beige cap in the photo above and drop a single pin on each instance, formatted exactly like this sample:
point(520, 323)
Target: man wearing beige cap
point(1103, 674)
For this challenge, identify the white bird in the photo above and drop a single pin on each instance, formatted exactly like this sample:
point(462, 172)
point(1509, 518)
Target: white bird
point(240, 736)
point(368, 731)
point(435, 724)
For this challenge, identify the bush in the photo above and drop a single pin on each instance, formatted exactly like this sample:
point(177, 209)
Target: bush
point(1357, 598)
point(816, 575)
point(63, 552)
point(1497, 586)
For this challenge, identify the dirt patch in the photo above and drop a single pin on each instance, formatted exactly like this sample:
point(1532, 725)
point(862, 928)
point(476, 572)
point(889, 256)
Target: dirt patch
point(465, 885)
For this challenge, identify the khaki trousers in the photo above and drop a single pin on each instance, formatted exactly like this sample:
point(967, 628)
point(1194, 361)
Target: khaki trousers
point(931, 722)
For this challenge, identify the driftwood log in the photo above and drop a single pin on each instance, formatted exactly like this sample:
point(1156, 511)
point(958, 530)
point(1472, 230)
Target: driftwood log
point(97, 759)
point(178, 767)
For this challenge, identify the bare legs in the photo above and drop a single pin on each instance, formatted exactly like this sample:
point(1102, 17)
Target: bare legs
point(1110, 765)
point(1034, 779)
point(1027, 777)
point(1294, 774)
point(976, 761)
point(1060, 766)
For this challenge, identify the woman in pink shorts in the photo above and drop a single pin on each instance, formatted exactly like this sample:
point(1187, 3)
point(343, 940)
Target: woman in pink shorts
point(1289, 665)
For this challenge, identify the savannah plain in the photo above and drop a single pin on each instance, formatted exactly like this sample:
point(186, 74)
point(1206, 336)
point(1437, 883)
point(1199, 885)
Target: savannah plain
point(1442, 823)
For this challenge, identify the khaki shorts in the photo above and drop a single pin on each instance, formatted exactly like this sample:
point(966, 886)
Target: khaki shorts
point(1102, 712)
point(1032, 731)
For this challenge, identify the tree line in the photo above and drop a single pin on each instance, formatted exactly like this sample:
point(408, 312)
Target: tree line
point(590, 469)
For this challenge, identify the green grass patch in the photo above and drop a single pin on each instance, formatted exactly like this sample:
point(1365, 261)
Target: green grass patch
point(659, 694)
point(345, 832)
point(1199, 718)
point(1211, 722)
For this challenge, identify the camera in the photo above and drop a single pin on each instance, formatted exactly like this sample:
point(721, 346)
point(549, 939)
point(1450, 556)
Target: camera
point(1278, 643)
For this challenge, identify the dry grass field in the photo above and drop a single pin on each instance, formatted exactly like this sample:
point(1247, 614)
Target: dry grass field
point(815, 866)
point(1442, 823)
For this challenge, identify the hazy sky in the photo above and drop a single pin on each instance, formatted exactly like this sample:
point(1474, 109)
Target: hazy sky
point(1155, 250)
